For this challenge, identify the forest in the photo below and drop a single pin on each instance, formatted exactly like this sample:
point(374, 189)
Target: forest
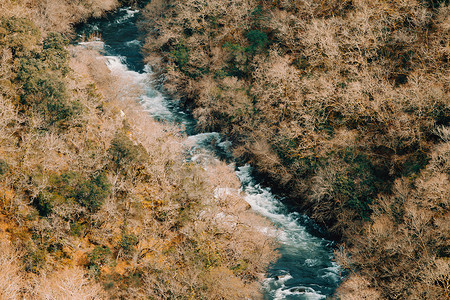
point(344, 105)
point(97, 200)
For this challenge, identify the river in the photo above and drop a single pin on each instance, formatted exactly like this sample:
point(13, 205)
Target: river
point(305, 269)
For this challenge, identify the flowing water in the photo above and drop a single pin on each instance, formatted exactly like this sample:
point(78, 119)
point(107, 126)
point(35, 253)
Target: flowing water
point(305, 269)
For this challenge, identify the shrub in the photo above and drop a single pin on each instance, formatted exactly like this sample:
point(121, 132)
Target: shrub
point(125, 152)
point(258, 41)
point(55, 41)
point(61, 188)
point(63, 184)
point(54, 52)
point(92, 193)
point(45, 90)
point(99, 257)
point(41, 74)
point(180, 56)
point(77, 228)
point(237, 60)
point(260, 15)
point(68, 283)
point(35, 260)
point(18, 34)
point(11, 279)
point(43, 204)
point(357, 185)
point(38, 83)
point(73, 186)
point(128, 242)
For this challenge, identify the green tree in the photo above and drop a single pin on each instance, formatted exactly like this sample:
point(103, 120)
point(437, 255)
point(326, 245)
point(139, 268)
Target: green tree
point(92, 193)
point(124, 152)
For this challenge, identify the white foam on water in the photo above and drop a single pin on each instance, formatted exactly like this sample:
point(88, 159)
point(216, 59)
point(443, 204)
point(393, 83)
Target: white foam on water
point(279, 290)
point(332, 276)
point(129, 13)
point(202, 139)
point(134, 43)
point(200, 147)
point(152, 100)
point(268, 231)
point(93, 27)
point(284, 278)
point(293, 236)
point(201, 159)
point(156, 106)
point(264, 202)
point(148, 69)
point(311, 262)
point(244, 174)
point(118, 67)
point(308, 294)
point(115, 64)
point(333, 272)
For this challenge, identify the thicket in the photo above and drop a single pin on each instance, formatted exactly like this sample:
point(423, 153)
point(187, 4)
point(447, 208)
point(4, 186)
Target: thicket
point(336, 102)
point(96, 200)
